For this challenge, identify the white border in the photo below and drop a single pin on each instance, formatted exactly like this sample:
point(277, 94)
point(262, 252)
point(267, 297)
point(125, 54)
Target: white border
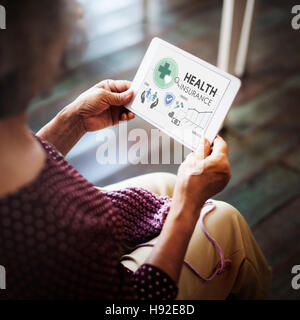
point(226, 100)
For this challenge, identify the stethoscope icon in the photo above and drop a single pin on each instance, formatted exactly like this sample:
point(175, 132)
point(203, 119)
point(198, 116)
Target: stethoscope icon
point(177, 80)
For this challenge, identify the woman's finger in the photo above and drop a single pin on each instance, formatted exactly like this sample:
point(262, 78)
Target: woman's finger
point(114, 85)
point(219, 146)
point(203, 149)
point(131, 115)
point(127, 115)
point(121, 85)
point(124, 116)
point(117, 99)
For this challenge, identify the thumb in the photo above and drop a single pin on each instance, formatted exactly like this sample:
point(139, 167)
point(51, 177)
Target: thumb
point(117, 99)
point(203, 149)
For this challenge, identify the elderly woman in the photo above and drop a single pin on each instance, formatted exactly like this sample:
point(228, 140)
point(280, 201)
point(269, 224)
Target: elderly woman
point(61, 237)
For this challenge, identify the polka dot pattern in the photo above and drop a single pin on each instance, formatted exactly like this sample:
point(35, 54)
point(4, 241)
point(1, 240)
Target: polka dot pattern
point(61, 238)
point(156, 284)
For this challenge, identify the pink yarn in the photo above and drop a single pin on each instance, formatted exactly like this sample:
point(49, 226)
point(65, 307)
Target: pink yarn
point(224, 263)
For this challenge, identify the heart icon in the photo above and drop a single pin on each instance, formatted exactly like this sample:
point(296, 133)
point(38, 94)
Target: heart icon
point(167, 79)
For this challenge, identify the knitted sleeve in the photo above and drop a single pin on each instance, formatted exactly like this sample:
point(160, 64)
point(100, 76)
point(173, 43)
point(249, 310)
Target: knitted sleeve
point(143, 213)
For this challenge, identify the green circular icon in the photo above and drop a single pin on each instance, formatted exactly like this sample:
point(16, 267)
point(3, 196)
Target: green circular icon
point(165, 72)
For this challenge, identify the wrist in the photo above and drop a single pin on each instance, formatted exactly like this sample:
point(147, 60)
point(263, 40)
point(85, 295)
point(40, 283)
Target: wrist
point(184, 215)
point(69, 120)
point(64, 131)
point(184, 200)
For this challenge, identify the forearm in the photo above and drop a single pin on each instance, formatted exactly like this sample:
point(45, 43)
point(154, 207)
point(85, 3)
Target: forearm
point(169, 251)
point(64, 131)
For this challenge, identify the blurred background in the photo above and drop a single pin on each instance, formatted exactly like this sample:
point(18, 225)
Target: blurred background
point(262, 128)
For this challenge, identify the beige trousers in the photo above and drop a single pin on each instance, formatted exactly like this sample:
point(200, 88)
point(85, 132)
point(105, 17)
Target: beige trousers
point(249, 276)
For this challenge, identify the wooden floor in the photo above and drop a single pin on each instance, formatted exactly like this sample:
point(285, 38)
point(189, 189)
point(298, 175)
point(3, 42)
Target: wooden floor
point(262, 129)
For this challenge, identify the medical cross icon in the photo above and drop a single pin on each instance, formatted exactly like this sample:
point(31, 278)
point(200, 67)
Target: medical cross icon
point(164, 70)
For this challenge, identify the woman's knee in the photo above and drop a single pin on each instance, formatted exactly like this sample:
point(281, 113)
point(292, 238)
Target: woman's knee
point(227, 226)
point(163, 176)
point(163, 182)
point(224, 214)
point(226, 209)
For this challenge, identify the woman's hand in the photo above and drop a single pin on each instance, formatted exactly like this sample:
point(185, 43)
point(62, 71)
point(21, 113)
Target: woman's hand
point(95, 109)
point(102, 105)
point(203, 174)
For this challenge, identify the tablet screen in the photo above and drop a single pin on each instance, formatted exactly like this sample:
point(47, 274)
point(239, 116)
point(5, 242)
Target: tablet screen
point(179, 95)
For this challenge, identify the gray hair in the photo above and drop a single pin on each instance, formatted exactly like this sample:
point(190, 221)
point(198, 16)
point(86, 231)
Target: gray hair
point(31, 48)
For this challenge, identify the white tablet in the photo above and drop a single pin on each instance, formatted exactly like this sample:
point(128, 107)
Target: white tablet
point(182, 95)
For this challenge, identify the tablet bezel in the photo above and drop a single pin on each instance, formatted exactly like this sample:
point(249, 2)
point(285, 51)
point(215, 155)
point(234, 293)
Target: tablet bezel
point(219, 114)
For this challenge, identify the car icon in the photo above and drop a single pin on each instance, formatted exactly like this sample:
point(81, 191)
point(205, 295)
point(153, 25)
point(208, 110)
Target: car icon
point(175, 121)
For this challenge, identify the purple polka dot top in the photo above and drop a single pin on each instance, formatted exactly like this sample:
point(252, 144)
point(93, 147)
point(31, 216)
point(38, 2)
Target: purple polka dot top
point(61, 238)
